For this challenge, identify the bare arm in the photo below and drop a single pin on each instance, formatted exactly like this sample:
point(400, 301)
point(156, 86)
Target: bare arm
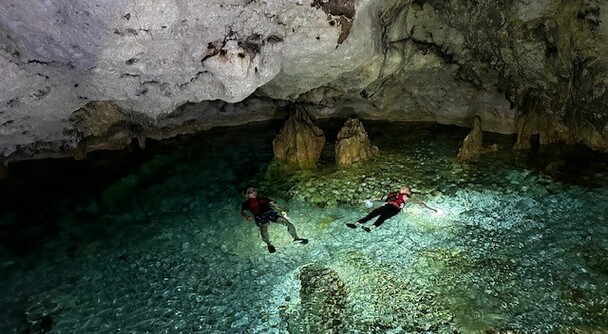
point(421, 204)
point(245, 215)
point(274, 205)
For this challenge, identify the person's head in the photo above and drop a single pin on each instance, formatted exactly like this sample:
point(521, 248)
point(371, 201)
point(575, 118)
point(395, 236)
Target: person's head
point(251, 192)
point(405, 190)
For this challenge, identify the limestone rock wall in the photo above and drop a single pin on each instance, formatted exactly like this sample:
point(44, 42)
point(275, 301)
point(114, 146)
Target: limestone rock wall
point(448, 61)
point(162, 62)
point(151, 57)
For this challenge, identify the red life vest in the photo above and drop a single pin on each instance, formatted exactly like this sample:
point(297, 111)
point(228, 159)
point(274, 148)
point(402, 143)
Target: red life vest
point(396, 199)
point(257, 205)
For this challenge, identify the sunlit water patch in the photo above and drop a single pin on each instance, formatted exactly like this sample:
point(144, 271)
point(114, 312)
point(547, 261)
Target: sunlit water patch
point(156, 244)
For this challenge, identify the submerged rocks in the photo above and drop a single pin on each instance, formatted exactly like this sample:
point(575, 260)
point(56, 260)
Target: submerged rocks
point(40, 324)
point(472, 145)
point(46, 308)
point(324, 299)
point(300, 141)
point(353, 145)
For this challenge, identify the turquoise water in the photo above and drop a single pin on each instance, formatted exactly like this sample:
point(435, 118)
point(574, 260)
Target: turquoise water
point(152, 241)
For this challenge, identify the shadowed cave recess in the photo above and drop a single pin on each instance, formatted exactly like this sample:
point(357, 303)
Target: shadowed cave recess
point(130, 131)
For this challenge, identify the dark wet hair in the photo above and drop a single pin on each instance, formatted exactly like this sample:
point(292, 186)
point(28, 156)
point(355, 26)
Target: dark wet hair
point(247, 188)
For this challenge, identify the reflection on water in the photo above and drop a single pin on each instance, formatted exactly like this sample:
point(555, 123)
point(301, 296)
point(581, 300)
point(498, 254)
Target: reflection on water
point(152, 241)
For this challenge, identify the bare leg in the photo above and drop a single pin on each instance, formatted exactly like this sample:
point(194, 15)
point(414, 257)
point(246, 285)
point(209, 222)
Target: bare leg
point(266, 237)
point(290, 228)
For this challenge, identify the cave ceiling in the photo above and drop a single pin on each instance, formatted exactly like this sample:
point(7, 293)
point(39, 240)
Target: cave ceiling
point(85, 75)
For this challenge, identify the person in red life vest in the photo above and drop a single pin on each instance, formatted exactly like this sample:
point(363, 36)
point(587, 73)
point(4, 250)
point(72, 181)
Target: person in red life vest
point(395, 201)
point(263, 214)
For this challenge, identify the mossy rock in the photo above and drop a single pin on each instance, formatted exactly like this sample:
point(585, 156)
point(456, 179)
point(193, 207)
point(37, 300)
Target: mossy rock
point(324, 298)
point(446, 258)
point(396, 300)
point(324, 222)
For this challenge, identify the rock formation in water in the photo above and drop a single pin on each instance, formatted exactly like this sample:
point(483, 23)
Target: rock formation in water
point(300, 141)
point(472, 146)
point(324, 299)
point(181, 66)
point(353, 145)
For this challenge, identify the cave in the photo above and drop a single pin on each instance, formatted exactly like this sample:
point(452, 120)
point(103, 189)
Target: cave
point(206, 166)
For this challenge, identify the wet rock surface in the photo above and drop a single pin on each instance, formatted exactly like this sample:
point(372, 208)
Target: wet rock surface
point(300, 141)
point(353, 144)
point(472, 146)
point(323, 301)
point(393, 60)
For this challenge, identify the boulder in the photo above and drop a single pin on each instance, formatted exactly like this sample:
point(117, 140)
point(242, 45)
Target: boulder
point(324, 299)
point(300, 141)
point(472, 146)
point(353, 144)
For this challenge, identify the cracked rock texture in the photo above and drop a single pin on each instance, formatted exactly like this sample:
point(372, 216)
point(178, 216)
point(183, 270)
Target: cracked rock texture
point(324, 302)
point(353, 144)
point(472, 146)
point(299, 141)
point(173, 66)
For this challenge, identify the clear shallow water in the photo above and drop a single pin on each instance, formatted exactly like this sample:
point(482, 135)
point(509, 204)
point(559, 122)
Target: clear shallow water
point(152, 241)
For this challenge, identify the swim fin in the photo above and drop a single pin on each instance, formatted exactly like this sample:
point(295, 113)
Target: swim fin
point(301, 240)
